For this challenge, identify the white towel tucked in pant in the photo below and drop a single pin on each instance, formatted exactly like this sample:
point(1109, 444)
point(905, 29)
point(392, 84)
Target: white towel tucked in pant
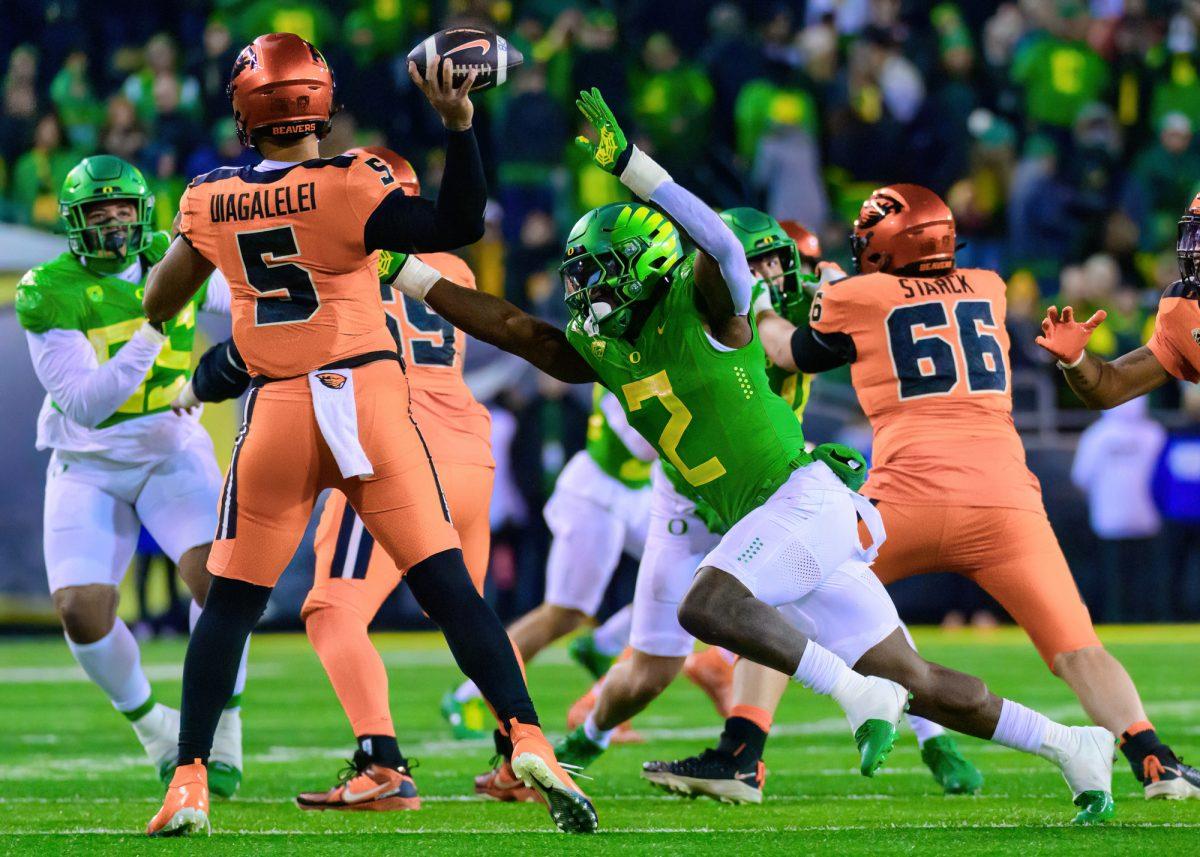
point(337, 417)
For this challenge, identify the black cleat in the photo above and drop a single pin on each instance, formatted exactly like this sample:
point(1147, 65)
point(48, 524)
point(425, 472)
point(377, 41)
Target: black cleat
point(1166, 777)
point(719, 775)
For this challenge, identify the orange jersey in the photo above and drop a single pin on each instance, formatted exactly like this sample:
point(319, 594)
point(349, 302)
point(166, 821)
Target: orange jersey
point(1176, 339)
point(932, 375)
point(457, 428)
point(290, 241)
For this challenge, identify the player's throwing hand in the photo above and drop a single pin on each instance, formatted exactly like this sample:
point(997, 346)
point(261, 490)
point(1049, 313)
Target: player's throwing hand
point(1066, 338)
point(608, 152)
point(453, 105)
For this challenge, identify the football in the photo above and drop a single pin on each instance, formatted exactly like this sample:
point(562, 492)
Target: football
point(471, 48)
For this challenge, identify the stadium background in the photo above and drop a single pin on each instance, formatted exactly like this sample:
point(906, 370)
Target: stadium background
point(1060, 132)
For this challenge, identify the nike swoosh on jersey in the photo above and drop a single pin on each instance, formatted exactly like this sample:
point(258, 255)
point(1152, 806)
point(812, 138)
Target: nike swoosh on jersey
point(482, 44)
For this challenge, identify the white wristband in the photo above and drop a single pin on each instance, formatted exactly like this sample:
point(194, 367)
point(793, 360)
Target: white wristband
point(151, 334)
point(642, 174)
point(415, 278)
point(762, 303)
point(1074, 362)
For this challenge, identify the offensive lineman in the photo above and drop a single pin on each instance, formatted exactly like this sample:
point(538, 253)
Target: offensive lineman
point(928, 355)
point(120, 458)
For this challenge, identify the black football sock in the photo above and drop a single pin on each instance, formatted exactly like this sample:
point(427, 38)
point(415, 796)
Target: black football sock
point(213, 654)
point(742, 738)
point(503, 745)
point(382, 750)
point(1138, 743)
point(477, 640)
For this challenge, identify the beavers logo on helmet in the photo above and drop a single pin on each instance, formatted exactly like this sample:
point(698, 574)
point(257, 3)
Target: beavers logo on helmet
point(876, 208)
point(332, 380)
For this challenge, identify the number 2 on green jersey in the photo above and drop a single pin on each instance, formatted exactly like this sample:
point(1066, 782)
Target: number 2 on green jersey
point(658, 386)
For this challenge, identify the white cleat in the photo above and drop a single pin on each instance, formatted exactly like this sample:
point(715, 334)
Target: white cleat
point(874, 707)
point(158, 730)
point(225, 761)
point(1086, 762)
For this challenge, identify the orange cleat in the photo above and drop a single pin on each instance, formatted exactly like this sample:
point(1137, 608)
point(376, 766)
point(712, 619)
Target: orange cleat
point(710, 672)
point(579, 711)
point(502, 784)
point(365, 787)
point(534, 763)
point(185, 806)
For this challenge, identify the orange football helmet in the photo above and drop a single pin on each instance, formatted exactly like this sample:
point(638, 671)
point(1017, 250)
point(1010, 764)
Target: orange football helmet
point(1187, 247)
point(401, 169)
point(807, 244)
point(903, 229)
point(281, 85)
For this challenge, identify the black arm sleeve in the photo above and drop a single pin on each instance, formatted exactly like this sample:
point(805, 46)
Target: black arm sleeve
point(819, 352)
point(221, 374)
point(413, 224)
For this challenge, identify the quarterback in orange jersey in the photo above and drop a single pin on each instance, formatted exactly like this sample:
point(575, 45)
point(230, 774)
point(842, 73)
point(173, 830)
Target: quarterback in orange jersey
point(299, 237)
point(928, 357)
point(1173, 350)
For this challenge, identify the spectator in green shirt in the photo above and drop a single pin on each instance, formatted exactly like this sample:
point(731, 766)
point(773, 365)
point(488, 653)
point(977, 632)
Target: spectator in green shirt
point(1058, 71)
point(39, 174)
point(1178, 90)
point(161, 59)
point(73, 97)
point(1167, 172)
point(671, 103)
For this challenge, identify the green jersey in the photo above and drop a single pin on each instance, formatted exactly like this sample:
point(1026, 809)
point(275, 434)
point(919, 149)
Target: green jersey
point(709, 412)
point(609, 452)
point(64, 294)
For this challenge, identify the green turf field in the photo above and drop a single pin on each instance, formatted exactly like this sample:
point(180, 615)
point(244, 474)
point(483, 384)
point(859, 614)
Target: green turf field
point(73, 780)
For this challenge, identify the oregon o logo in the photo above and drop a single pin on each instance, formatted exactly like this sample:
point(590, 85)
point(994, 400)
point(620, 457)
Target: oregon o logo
point(635, 357)
point(677, 527)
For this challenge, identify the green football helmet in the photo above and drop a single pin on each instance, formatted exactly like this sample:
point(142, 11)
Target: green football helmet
point(99, 179)
point(760, 234)
point(616, 256)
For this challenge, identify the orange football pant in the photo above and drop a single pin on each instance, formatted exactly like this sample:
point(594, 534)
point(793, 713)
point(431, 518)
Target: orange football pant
point(354, 577)
point(1012, 553)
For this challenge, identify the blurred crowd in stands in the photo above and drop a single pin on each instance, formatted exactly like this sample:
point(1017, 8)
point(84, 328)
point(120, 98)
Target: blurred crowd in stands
point(1063, 133)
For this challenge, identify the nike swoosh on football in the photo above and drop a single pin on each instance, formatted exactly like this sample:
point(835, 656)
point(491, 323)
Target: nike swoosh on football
point(482, 44)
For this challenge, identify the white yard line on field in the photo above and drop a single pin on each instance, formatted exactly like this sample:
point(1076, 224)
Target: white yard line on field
point(739, 831)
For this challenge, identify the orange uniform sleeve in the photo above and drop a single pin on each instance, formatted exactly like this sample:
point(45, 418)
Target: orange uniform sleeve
point(833, 309)
point(369, 181)
point(1176, 328)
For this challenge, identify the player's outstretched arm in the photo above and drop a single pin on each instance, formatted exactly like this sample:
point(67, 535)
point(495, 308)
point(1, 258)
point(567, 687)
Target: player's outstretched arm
point(723, 276)
point(413, 224)
point(172, 282)
point(1098, 383)
point(496, 321)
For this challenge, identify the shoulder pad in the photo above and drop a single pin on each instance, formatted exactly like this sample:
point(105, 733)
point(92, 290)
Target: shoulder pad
point(1182, 289)
point(38, 304)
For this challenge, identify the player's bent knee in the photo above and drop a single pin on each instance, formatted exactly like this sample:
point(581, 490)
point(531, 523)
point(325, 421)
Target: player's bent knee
point(562, 620)
point(193, 568)
point(87, 612)
point(1079, 660)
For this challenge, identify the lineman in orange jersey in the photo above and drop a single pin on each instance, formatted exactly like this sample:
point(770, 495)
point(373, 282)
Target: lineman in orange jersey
point(1173, 350)
point(929, 360)
point(353, 575)
point(299, 238)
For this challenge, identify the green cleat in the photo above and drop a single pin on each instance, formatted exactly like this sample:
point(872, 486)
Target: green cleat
point(875, 739)
point(1095, 807)
point(468, 719)
point(577, 750)
point(584, 652)
point(223, 779)
point(954, 773)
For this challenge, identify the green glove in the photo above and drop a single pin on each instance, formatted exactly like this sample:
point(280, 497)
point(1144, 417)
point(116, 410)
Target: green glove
point(845, 461)
point(612, 152)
